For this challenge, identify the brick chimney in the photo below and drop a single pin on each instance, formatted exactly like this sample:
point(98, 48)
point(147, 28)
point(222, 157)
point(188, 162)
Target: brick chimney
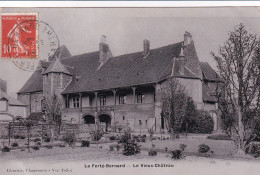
point(3, 85)
point(187, 39)
point(104, 50)
point(146, 47)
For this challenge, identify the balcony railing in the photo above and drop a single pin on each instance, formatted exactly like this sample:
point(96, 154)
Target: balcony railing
point(121, 107)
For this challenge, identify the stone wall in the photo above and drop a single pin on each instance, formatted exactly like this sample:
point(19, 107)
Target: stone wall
point(33, 102)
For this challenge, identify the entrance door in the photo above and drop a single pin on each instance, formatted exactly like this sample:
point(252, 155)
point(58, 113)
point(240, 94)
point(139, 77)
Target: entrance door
point(106, 120)
point(89, 119)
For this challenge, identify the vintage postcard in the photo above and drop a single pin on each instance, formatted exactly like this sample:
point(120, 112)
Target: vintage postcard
point(130, 90)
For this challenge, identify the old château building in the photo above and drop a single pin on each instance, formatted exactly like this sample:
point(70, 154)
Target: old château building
point(98, 86)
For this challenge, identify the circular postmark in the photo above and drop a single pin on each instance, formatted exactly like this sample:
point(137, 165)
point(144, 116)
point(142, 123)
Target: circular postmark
point(26, 50)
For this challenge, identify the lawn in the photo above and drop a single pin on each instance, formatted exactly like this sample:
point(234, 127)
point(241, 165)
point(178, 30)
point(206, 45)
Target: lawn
point(222, 149)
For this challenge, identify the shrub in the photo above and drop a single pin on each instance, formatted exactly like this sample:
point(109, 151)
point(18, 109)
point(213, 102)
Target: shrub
point(47, 139)
point(203, 148)
point(143, 139)
point(38, 143)
point(125, 137)
point(203, 123)
point(136, 138)
point(152, 153)
point(177, 154)
point(183, 146)
point(14, 145)
point(253, 149)
point(35, 147)
point(111, 147)
point(48, 146)
point(69, 138)
point(17, 137)
point(112, 138)
point(37, 140)
point(5, 149)
point(131, 148)
point(118, 147)
point(219, 137)
point(22, 137)
point(96, 135)
point(85, 143)
point(61, 145)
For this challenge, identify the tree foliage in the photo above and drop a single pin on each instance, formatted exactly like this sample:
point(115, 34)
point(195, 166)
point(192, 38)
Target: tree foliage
point(173, 98)
point(53, 111)
point(238, 61)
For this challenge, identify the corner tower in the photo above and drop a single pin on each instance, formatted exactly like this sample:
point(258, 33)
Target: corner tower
point(55, 79)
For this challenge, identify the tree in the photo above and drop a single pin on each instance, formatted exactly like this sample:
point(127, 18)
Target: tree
point(174, 103)
point(238, 62)
point(53, 111)
point(190, 116)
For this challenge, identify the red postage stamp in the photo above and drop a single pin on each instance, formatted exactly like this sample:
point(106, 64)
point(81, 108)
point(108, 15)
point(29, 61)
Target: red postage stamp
point(19, 35)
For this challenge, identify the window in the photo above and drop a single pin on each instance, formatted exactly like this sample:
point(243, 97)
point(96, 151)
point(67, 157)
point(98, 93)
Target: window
point(102, 100)
point(122, 99)
point(75, 102)
point(67, 103)
point(43, 105)
point(123, 117)
point(146, 122)
point(140, 97)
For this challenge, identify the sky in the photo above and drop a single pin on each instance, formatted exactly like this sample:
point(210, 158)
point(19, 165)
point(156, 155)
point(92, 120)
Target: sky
point(80, 30)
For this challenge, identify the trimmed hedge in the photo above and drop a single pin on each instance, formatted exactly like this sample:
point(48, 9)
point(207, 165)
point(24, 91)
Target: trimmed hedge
point(203, 123)
point(219, 137)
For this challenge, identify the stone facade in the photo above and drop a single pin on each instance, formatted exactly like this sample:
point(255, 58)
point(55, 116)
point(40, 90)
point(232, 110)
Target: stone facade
point(98, 98)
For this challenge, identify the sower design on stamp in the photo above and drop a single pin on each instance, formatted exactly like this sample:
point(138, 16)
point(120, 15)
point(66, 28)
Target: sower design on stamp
point(19, 36)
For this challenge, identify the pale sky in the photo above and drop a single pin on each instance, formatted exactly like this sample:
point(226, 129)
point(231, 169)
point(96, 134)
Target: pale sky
point(80, 29)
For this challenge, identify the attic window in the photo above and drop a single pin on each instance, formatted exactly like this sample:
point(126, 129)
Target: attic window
point(77, 78)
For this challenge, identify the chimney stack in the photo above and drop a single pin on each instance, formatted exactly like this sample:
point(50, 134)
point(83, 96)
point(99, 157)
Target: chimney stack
point(104, 51)
point(3, 86)
point(146, 47)
point(187, 39)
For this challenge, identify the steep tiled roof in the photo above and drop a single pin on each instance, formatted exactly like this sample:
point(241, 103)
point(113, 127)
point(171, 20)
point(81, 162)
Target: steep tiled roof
point(121, 71)
point(11, 101)
point(34, 83)
point(208, 73)
point(58, 67)
point(61, 52)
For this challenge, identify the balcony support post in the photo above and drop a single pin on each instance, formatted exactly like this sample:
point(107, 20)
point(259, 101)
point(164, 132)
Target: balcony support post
point(80, 101)
point(134, 88)
point(67, 102)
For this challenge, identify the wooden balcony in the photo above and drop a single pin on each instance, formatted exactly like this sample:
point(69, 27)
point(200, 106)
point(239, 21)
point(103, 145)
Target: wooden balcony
point(121, 107)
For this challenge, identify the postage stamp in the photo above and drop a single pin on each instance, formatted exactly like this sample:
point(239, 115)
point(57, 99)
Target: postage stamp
point(19, 35)
point(26, 40)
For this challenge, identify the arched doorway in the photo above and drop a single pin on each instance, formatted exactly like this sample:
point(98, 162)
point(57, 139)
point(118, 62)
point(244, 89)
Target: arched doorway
point(215, 119)
point(89, 119)
point(105, 120)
